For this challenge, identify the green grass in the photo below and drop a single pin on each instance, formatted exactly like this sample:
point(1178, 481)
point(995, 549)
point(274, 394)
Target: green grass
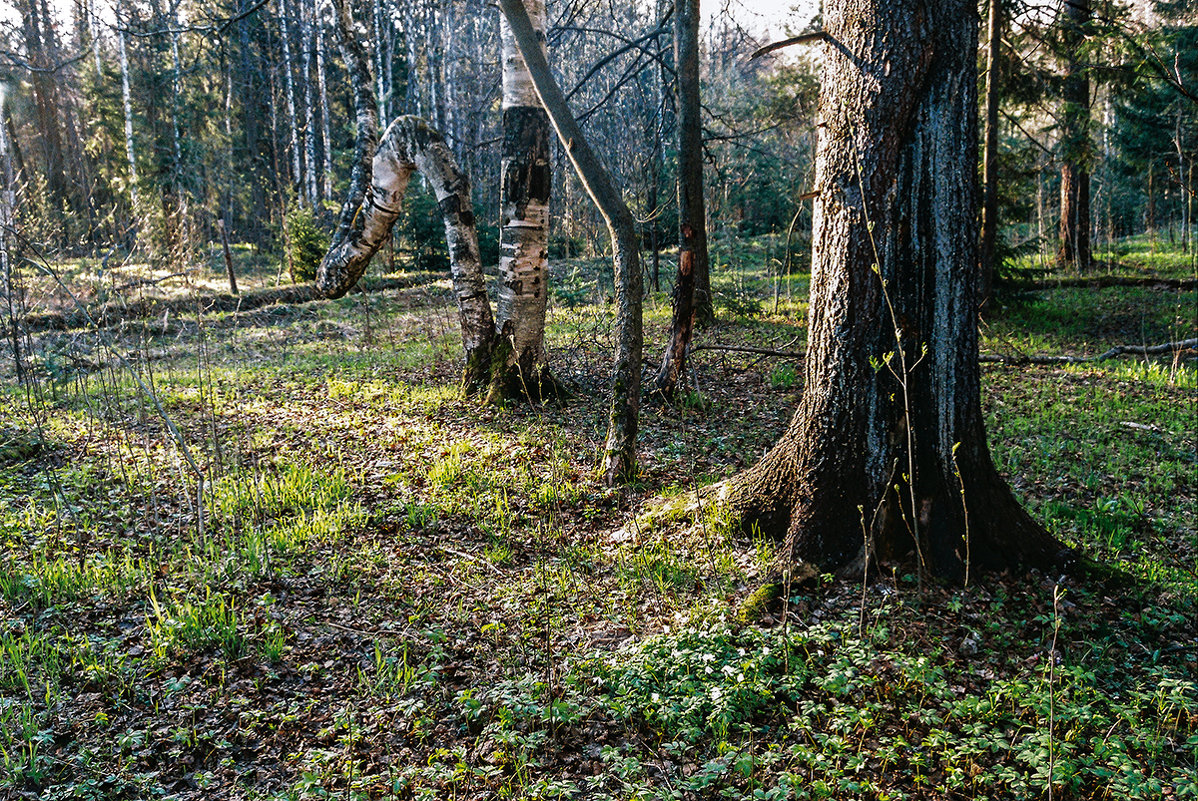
point(389, 592)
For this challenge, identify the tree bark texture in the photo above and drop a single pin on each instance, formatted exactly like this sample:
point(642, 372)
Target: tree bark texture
point(1073, 251)
point(692, 215)
point(524, 221)
point(682, 324)
point(619, 456)
point(888, 440)
point(990, 155)
point(408, 146)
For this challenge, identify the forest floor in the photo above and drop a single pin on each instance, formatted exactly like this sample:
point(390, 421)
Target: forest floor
point(381, 590)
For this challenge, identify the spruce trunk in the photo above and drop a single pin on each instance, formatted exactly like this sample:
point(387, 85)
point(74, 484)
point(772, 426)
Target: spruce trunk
point(886, 454)
point(1074, 248)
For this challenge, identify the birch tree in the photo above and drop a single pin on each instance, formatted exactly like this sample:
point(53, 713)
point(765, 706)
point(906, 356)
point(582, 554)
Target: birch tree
point(619, 453)
point(377, 188)
point(524, 221)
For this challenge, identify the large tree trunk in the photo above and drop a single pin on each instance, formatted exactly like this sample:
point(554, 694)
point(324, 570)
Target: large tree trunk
point(888, 442)
point(692, 287)
point(692, 215)
point(410, 145)
point(619, 457)
point(1073, 251)
point(990, 156)
point(524, 221)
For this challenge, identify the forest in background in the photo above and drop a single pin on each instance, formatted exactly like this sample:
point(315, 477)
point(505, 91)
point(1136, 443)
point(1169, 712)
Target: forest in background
point(139, 127)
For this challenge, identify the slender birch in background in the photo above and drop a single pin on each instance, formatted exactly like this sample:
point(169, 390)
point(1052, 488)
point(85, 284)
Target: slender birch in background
point(289, 89)
point(130, 154)
point(619, 452)
point(326, 171)
point(307, 13)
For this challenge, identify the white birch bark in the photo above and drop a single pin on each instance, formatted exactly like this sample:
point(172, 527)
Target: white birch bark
point(524, 211)
point(619, 452)
point(326, 180)
point(411, 145)
point(307, 11)
point(289, 90)
point(130, 153)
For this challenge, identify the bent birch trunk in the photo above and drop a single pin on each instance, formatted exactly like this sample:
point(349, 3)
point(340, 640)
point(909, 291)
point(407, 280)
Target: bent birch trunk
point(411, 145)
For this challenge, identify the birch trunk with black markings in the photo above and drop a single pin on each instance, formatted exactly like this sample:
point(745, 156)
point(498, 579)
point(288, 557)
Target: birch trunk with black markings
point(524, 225)
point(619, 452)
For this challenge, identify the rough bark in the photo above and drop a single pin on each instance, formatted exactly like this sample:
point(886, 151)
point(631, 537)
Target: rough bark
point(888, 440)
point(990, 155)
point(692, 215)
point(619, 457)
point(682, 324)
point(524, 221)
point(408, 146)
point(692, 286)
point(1073, 250)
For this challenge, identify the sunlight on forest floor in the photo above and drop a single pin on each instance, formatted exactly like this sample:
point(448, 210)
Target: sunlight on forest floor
point(381, 590)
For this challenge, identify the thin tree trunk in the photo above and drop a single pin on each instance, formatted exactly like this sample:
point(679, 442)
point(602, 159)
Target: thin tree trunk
point(692, 215)
point(366, 119)
point(524, 225)
point(7, 203)
point(408, 146)
point(326, 173)
point(619, 457)
point(886, 454)
point(307, 12)
point(990, 156)
point(289, 90)
point(1074, 248)
point(130, 153)
point(229, 272)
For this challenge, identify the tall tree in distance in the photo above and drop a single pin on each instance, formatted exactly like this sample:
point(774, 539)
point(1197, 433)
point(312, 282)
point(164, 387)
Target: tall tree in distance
point(692, 287)
point(619, 452)
point(1073, 250)
point(524, 222)
point(990, 154)
point(886, 455)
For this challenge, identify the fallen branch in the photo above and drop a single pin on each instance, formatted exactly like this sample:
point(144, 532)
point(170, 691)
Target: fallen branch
point(149, 281)
point(118, 311)
point(784, 354)
point(1101, 282)
point(1117, 350)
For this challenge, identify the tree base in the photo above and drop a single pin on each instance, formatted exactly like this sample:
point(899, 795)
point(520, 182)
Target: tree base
point(507, 381)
